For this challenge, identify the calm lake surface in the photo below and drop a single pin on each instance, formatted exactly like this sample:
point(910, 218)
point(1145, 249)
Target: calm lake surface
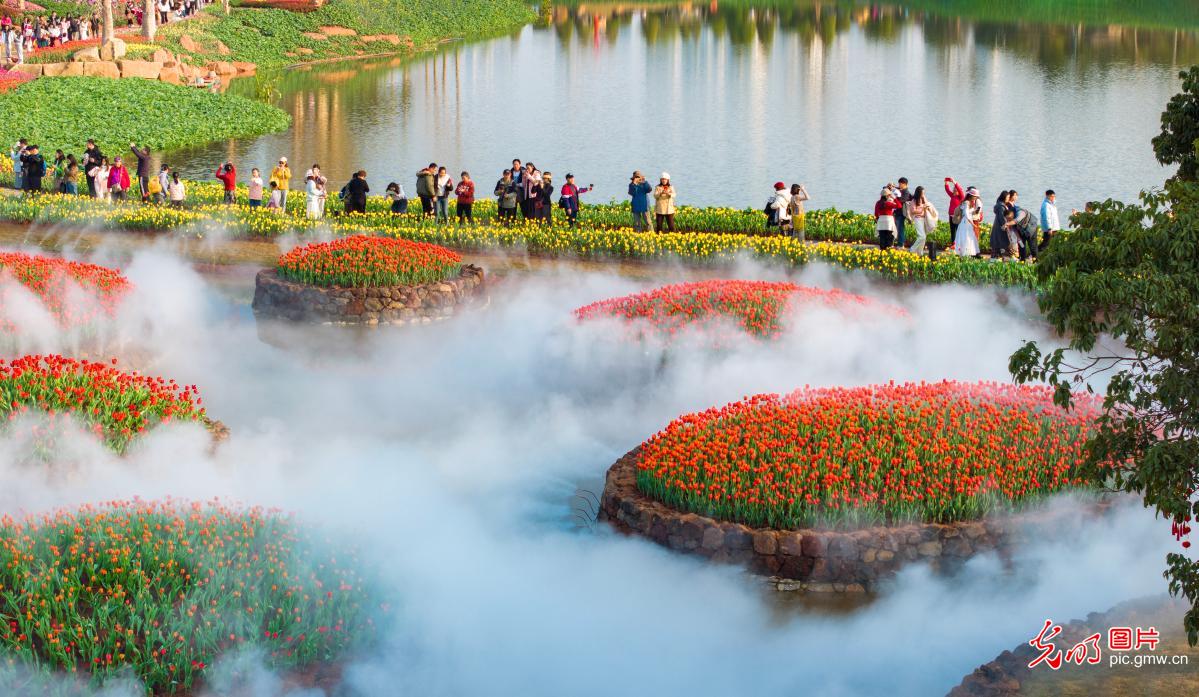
point(729, 99)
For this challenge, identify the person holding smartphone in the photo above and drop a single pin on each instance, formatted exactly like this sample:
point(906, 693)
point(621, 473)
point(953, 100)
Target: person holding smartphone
point(639, 191)
point(664, 198)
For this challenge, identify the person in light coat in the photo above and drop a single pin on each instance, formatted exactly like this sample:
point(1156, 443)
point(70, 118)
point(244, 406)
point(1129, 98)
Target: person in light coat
point(1050, 223)
point(965, 242)
point(780, 203)
point(924, 216)
point(664, 197)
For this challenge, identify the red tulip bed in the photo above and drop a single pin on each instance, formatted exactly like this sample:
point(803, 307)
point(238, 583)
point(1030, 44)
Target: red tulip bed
point(886, 454)
point(756, 307)
point(117, 406)
point(364, 261)
point(160, 590)
point(50, 280)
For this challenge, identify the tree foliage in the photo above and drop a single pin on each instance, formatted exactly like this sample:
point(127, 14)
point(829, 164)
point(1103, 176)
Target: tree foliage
point(1123, 287)
point(1178, 143)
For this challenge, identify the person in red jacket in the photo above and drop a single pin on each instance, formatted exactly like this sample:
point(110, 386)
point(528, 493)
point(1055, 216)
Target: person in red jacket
point(118, 180)
point(466, 198)
point(227, 173)
point(884, 217)
point(956, 196)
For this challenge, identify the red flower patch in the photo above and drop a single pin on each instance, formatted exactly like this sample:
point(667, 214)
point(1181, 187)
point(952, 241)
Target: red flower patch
point(361, 260)
point(50, 278)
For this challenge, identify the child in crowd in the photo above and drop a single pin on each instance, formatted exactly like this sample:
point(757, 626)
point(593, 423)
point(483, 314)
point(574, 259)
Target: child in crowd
point(255, 188)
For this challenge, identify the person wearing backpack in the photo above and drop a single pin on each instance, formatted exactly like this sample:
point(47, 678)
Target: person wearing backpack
point(570, 201)
point(426, 188)
point(356, 191)
point(506, 193)
point(778, 209)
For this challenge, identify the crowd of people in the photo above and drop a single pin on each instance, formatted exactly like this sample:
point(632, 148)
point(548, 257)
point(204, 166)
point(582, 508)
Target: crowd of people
point(1016, 233)
point(525, 192)
point(28, 33)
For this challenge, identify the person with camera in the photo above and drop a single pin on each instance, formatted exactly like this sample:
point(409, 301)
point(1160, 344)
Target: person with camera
point(664, 197)
point(639, 191)
point(281, 175)
point(506, 197)
point(227, 174)
point(143, 169)
point(570, 201)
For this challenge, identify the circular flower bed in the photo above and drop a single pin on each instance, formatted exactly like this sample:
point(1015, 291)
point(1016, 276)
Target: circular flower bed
point(886, 454)
point(50, 279)
point(117, 406)
point(757, 307)
point(161, 590)
point(363, 261)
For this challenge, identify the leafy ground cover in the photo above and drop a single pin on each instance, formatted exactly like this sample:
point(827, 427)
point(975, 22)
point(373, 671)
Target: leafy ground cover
point(589, 240)
point(162, 115)
point(937, 452)
point(758, 308)
point(54, 281)
point(162, 590)
point(359, 261)
point(117, 406)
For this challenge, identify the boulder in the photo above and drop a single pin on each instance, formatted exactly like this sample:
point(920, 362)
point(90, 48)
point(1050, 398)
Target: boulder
point(55, 69)
point(315, 36)
point(338, 31)
point(189, 44)
point(147, 70)
point(34, 69)
point(222, 49)
point(171, 74)
point(101, 69)
point(244, 68)
point(90, 54)
point(114, 50)
point(73, 70)
point(161, 55)
point(222, 68)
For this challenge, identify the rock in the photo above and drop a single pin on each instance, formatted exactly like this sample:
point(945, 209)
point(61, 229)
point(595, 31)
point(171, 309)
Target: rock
point(222, 49)
point(973, 530)
point(34, 69)
point(338, 31)
point(244, 68)
point(843, 547)
point(114, 50)
point(54, 69)
point(304, 51)
point(101, 69)
point(222, 68)
point(885, 555)
point(869, 555)
point(737, 537)
point(147, 70)
point(315, 36)
point(376, 38)
point(929, 549)
point(713, 538)
point(161, 55)
point(72, 70)
point(87, 55)
point(815, 545)
point(958, 547)
point(189, 44)
point(170, 75)
point(790, 543)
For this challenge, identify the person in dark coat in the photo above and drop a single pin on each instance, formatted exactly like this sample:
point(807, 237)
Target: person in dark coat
point(999, 240)
point(545, 204)
point(33, 168)
point(91, 159)
point(639, 191)
point(143, 169)
point(356, 192)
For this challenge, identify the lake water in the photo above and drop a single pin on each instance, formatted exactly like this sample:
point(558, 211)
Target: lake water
point(730, 99)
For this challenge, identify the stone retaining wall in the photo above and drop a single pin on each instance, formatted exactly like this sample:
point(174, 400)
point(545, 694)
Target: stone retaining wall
point(815, 560)
point(282, 299)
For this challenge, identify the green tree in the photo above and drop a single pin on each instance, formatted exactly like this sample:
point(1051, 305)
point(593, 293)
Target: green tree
point(1178, 143)
point(1123, 286)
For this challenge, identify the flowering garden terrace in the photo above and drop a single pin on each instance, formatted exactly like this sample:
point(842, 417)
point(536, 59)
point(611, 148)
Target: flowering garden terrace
point(759, 308)
point(51, 279)
point(115, 405)
point(163, 590)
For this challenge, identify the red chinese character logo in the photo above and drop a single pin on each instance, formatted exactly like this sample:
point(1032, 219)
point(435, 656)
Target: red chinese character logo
point(1050, 655)
point(1147, 636)
point(1087, 651)
point(1119, 639)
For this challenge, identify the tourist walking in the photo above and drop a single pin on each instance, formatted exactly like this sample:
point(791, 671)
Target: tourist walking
point(176, 191)
point(313, 193)
point(426, 188)
point(227, 174)
point(664, 209)
point(506, 195)
point(1050, 223)
point(639, 191)
point(924, 217)
point(884, 217)
point(143, 169)
point(399, 200)
point(118, 180)
point(255, 188)
point(570, 201)
point(970, 218)
point(444, 187)
point(902, 197)
point(778, 209)
point(465, 198)
point(98, 178)
point(356, 192)
point(796, 211)
point(91, 160)
point(33, 168)
point(281, 175)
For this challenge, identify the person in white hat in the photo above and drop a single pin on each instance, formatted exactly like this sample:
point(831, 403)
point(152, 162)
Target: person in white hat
point(281, 177)
point(664, 196)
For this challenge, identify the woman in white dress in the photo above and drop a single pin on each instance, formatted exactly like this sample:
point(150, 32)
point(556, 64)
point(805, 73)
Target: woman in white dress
point(924, 215)
point(966, 242)
point(313, 189)
point(100, 173)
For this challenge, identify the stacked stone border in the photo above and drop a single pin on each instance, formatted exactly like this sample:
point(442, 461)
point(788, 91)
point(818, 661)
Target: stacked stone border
point(817, 560)
point(278, 298)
